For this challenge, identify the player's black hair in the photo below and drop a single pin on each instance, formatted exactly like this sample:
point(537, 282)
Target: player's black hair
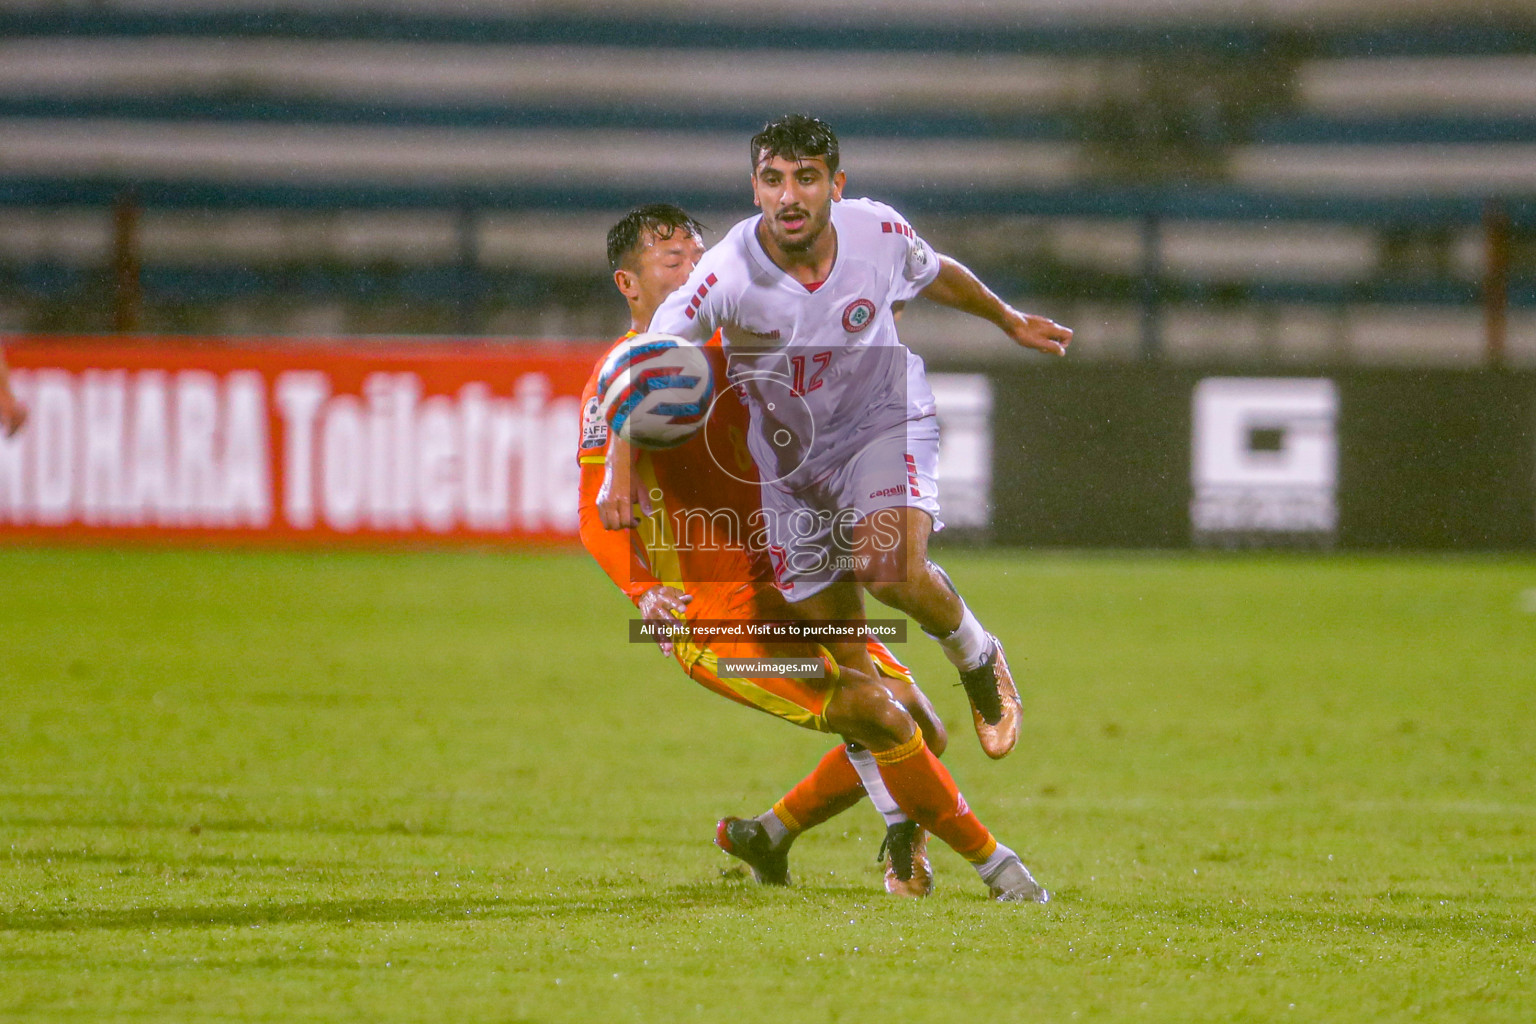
point(796, 137)
point(659, 219)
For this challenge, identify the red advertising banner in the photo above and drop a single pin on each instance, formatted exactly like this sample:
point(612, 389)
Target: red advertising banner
point(293, 442)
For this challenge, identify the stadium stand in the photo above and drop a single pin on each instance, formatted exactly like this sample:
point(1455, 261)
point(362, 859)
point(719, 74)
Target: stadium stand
point(1206, 180)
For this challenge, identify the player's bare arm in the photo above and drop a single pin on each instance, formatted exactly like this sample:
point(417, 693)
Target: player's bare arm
point(620, 492)
point(959, 288)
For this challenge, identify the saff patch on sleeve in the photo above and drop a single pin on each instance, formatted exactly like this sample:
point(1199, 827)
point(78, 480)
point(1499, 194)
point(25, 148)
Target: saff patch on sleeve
point(594, 429)
point(919, 259)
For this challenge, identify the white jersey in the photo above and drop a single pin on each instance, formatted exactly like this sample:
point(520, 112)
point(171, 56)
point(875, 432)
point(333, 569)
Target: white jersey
point(823, 369)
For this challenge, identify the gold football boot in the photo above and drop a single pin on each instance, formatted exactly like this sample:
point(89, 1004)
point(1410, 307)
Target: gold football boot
point(995, 707)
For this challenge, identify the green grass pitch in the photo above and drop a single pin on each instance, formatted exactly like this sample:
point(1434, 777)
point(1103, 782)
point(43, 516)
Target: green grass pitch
point(442, 787)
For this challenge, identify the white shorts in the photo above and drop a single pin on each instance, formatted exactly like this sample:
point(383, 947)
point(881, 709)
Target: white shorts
point(810, 531)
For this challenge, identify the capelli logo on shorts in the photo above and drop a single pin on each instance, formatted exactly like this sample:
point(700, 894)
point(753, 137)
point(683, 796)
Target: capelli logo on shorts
point(858, 315)
point(898, 489)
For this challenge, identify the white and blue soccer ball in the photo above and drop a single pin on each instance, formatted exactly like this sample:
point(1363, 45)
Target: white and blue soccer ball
point(655, 390)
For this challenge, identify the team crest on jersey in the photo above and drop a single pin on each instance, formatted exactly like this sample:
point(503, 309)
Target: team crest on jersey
point(858, 315)
point(594, 429)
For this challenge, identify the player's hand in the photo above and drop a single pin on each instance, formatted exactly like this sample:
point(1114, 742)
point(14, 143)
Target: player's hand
point(620, 490)
point(663, 604)
point(1037, 332)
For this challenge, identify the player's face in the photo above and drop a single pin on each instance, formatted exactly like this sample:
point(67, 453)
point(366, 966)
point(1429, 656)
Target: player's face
point(662, 265)
point(796, 197)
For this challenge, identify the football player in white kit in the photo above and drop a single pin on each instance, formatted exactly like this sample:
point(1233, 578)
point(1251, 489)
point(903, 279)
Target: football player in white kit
point(806, 296)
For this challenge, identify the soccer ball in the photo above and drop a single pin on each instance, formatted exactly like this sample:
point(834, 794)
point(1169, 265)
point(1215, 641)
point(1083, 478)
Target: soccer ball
point(656, 390)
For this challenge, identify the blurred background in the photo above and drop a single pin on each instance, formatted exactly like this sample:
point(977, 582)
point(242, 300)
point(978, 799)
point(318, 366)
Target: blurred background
point(1237, 186)
point(1259, 181)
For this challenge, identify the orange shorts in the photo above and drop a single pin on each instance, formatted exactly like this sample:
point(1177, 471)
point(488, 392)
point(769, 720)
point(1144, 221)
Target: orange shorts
point(801, 701)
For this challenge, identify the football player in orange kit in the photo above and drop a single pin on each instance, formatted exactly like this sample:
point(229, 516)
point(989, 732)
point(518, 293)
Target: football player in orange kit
point(686, 556)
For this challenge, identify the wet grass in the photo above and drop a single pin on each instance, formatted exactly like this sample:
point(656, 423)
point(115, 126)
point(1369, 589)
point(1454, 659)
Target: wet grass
point(422, 787)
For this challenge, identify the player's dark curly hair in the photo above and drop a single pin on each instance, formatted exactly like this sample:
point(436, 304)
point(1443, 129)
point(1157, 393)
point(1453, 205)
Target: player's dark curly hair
point(659, 219)
point(796, 137)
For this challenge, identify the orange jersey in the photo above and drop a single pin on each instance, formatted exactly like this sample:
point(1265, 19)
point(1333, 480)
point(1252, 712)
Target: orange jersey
point(698, 538)
point(704, 500)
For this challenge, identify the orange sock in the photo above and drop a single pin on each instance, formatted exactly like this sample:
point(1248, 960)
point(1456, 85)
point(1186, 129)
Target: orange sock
point(924, 789)
point(832, 787)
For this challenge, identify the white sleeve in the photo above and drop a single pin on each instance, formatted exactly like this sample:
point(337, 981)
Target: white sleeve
point(693, 311)
point(911, 262)
point(919, 267)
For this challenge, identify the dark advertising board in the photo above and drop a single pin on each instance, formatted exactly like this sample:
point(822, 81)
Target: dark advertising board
point(1174, 457)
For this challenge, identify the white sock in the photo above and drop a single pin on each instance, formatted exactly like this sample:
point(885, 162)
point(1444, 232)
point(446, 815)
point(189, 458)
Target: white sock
point(990, 868)
point(968, 646)
point(869, 773)
point(775, 828)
